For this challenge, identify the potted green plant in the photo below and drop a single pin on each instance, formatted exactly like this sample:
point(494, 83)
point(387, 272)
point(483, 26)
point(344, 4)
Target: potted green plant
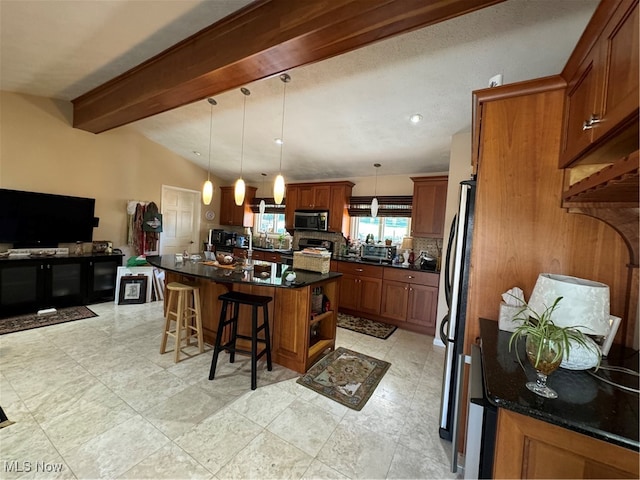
point(546, 344)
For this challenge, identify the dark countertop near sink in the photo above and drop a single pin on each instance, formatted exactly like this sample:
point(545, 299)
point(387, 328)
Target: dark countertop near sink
point(381, 264)
point(585, 404)
point(276, 271)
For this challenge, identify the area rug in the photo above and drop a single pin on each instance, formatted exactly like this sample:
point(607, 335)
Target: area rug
point(346, 377)
point(366, 326)
point(33, 320)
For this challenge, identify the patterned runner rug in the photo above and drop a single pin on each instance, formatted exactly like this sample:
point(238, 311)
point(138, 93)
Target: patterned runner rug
point(33, 320)
point(345, 376)
point(366, 326)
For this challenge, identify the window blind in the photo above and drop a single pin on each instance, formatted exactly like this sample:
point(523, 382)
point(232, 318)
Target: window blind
point(388, 206)
point(270, 206)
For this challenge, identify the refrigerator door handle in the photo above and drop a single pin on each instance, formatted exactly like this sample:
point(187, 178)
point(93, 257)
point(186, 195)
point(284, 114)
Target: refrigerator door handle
point(444, 335)
point(447, 263)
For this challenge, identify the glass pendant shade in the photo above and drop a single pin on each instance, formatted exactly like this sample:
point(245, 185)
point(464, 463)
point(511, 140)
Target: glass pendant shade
point(207, 192)
point(374, 207)
point(262, 206)
point(278, 189)
point(238, 192)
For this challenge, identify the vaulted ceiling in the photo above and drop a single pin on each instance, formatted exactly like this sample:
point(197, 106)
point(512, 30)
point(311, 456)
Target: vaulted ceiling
point(342, 114)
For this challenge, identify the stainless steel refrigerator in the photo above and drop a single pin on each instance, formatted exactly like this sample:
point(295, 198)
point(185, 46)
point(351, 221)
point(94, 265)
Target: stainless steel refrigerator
point(457, 264)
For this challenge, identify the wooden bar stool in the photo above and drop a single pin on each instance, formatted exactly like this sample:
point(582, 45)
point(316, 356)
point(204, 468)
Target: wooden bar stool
point(255, 301)
point(183, 307)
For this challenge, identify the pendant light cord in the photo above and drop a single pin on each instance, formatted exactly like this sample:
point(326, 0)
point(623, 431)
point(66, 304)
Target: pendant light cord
point(285, 79)
point(211, 102)
point(246, 93)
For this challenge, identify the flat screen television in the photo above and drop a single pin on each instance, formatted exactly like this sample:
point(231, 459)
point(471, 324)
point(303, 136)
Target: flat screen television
point(30, 219)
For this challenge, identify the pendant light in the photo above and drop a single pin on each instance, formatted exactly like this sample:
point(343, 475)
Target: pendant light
point(239, 190)
point(262, 206)
point(374, 202)
point(207, 189)
point(278, 186)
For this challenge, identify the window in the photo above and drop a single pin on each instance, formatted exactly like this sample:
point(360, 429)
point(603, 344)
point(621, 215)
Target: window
point(272, 220)
point(269, 223)
point(395, 228)
point(393, 220)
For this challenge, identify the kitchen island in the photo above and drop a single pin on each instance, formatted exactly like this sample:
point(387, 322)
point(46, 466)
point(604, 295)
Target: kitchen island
point(589, 431)
point(302, 328)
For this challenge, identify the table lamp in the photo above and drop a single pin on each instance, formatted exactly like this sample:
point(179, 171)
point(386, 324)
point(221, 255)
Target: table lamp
point(407, 246)
point(584, 306)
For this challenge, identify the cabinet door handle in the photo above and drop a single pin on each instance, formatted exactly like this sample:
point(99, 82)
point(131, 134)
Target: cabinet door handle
point(588, 124)
point(409, 276)
point(359, 270)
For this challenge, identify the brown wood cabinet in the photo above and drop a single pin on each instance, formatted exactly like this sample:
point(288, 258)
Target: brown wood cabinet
point(361, 287)
point(274, 257)
point(428, 206)
point(602, 92)
point(331, 196)
point(530, 448)
point(232, 214)
point(410, 299)
point(301, 338)
point(314, 197)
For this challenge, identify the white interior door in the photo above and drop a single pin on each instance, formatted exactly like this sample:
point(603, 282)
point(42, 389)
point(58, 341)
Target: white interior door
point(180, 221)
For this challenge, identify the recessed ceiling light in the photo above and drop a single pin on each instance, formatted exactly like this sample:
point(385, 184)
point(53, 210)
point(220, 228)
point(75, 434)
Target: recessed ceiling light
point(196, 153)
point(278, 141)
point(415, 118)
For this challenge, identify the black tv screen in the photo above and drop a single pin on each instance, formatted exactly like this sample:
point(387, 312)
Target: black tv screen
point(30, 219)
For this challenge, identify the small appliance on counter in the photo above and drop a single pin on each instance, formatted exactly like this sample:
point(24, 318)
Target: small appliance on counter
point(427, 262)
point(377, 252)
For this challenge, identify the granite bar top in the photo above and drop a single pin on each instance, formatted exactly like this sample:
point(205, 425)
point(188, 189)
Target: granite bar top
point(585, 404)
point(263, 273)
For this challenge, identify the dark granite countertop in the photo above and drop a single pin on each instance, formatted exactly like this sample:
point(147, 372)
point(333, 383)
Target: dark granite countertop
point(353, 259)
point(276, 272)
point(585, 404)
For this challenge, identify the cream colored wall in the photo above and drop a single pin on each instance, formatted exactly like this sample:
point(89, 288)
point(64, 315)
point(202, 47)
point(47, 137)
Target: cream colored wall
point(459, 170)
point(41, 152)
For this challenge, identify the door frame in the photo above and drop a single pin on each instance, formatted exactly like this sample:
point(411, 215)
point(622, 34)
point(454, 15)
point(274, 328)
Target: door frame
point(197, 212)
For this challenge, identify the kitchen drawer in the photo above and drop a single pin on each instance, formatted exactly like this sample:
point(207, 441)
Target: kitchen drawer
point(411, 276)
point(360, 269)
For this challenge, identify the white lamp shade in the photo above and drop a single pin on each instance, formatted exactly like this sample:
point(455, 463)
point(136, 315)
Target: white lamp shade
point(238, 192)
point(374, 207)
point(207, 192)
point(262, 206)
point(278, 189)
point(584, 304)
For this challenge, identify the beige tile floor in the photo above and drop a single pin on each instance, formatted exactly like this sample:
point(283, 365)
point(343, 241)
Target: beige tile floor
point(95, 399)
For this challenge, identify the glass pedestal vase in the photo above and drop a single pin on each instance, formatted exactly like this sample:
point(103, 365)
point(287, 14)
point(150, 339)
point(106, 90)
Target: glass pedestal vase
point(545, 356)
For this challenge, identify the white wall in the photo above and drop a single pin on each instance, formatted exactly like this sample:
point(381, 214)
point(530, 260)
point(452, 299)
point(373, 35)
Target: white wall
point(459, 170)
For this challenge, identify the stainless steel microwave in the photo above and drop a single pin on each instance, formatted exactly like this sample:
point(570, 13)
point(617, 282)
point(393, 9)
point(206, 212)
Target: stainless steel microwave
point(311, 220)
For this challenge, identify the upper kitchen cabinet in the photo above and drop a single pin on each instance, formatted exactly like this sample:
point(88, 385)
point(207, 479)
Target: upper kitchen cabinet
point(314, 197)
point(428, 206)
point(232, 214)
point(602, 85)
point(600, 133)
point(331, 196)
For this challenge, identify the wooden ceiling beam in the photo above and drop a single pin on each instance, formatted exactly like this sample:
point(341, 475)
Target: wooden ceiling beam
point(263, 39)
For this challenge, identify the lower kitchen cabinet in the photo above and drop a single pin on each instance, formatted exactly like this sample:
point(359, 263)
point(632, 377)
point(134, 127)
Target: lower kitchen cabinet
point(361, 286)
point(410, 299)
point(530, 448)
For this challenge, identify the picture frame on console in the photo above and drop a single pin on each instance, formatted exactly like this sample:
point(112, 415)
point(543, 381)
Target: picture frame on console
point(133, 289)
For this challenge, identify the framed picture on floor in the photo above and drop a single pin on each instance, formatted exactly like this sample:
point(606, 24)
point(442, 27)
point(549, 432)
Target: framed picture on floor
point(133, 289)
